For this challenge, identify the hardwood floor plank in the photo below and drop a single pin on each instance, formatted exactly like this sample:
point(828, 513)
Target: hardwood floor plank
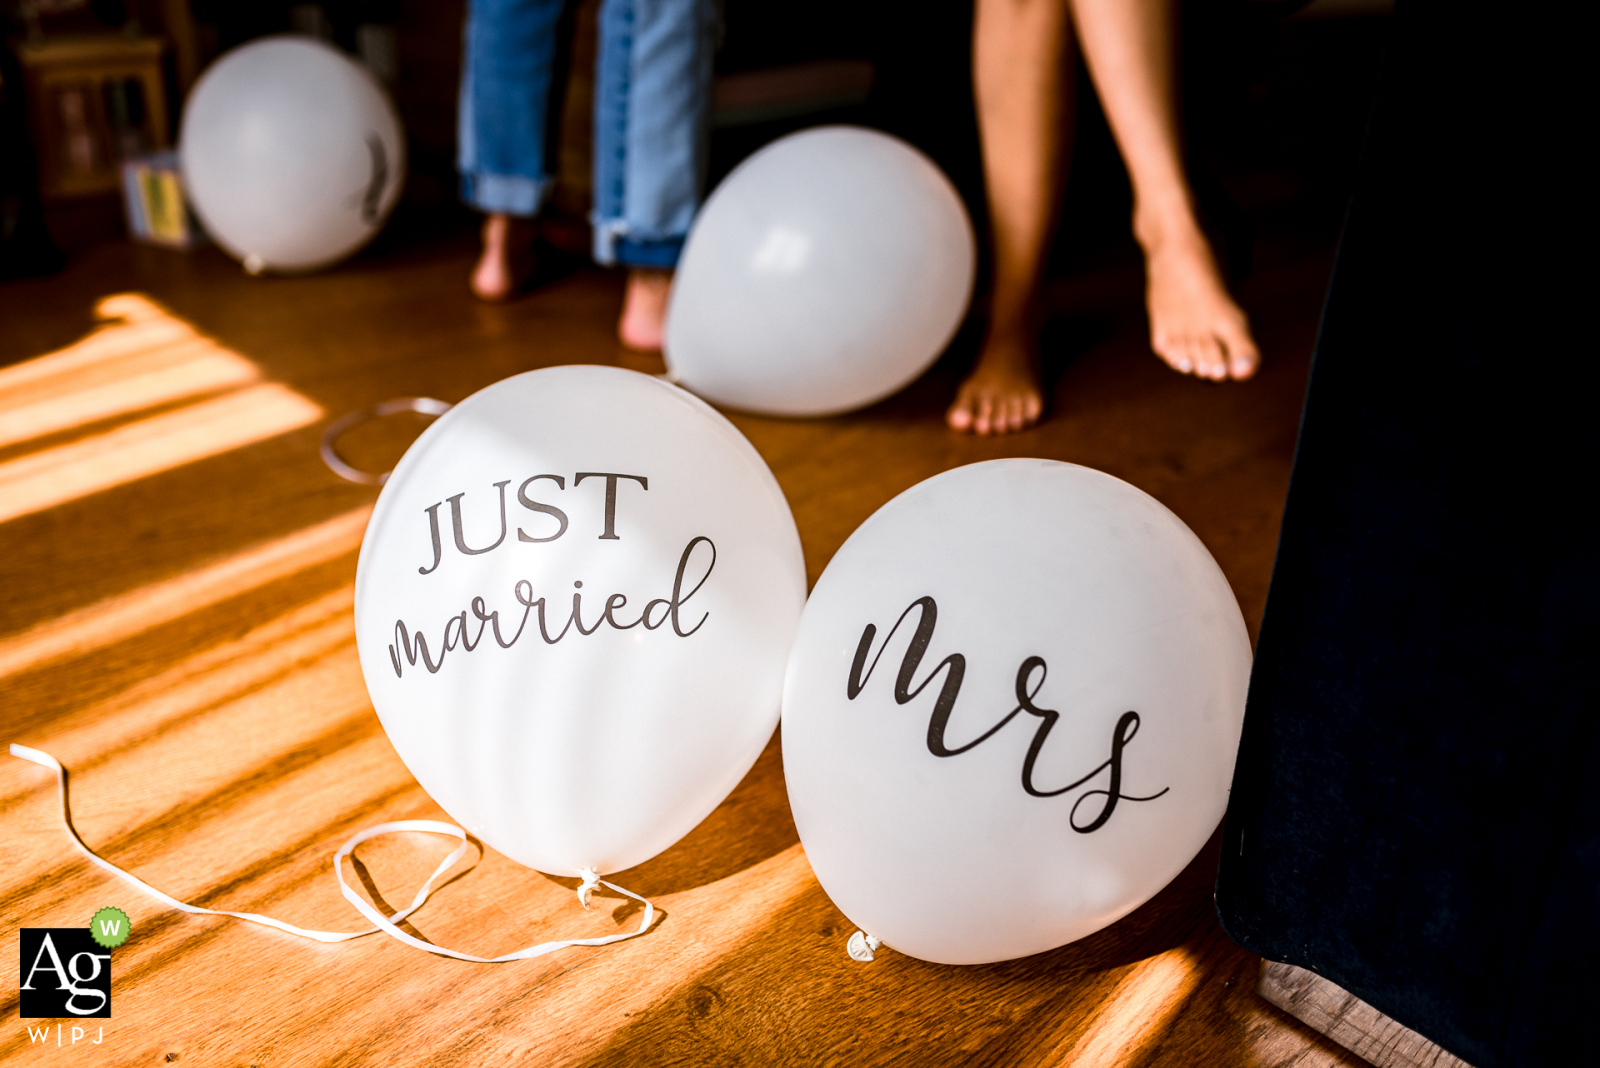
point(183, 642)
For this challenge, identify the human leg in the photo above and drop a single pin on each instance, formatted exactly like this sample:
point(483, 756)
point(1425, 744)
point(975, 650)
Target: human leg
point(644, 308)
point(1195, 326)
point(508, 66)
point(506, 257)
point(1020, 59)
point(652, 118)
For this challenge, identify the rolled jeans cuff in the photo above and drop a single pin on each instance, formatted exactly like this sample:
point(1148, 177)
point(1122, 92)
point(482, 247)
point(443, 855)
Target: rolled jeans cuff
point(614, 245)
point(504, 194)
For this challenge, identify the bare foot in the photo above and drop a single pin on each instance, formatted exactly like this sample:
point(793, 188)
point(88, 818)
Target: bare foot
point(507, 258)
point(1195, 326)
point(644, 309)
point(1002, 394)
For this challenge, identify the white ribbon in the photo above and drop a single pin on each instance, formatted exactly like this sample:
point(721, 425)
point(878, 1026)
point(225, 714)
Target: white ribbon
point(386, 924)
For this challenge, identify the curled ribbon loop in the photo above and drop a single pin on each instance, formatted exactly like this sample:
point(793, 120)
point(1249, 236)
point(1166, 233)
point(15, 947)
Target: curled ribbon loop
point(380, 922)
point(330, 436)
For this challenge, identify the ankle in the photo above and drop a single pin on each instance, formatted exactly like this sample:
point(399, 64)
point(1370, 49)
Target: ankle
point(649, 278)
point(495, 228)
point(1011, 348)
point(1163, 227)
point(1013, 315)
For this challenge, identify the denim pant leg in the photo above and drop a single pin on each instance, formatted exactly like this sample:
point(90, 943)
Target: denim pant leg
point(651, 118)
point(508, 66)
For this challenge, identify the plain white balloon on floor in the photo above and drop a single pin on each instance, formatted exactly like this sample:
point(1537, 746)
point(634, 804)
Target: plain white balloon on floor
point(574, 604)
point(1011, 710)
point(826, 272)
point(292, 154)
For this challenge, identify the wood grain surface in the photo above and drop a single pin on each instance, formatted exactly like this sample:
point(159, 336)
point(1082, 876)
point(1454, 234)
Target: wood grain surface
point(175, 627)
point(1333, 1011)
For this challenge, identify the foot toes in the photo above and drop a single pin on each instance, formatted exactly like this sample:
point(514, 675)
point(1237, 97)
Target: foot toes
point(959, 417)
point(1178, 356)
point(996, 397)
point(489, 284)
point(1183, 357)
point(1243, 356)
point(1166, 350)
point(985, 421)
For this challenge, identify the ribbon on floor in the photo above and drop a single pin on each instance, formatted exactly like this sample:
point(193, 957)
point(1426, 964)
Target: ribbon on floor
point(380, 922)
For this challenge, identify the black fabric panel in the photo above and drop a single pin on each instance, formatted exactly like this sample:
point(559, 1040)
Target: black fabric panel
point(1416, 808)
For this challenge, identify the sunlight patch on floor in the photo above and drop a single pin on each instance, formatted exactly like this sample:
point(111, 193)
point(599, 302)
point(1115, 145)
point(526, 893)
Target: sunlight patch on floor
point(143, 358)
point(1138, 1011)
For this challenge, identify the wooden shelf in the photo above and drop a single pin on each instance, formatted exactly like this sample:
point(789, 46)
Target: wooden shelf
point(92, 100)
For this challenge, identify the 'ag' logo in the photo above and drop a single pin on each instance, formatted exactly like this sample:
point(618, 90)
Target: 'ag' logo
point(64, 973)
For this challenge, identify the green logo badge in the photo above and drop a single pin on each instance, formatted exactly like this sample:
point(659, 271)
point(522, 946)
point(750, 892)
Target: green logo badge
point(110, 928)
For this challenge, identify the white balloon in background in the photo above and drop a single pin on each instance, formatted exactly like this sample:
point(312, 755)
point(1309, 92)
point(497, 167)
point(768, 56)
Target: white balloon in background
point(574, 603)
point(292, 154)
point(1011, 710)
point(825, 273)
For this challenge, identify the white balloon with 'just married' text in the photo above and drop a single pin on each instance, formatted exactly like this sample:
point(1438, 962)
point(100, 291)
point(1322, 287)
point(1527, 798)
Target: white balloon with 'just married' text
point(1011, 710)
point(573, 608)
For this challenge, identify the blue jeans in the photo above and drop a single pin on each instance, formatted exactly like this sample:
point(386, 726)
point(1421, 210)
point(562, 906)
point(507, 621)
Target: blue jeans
point(651, 117)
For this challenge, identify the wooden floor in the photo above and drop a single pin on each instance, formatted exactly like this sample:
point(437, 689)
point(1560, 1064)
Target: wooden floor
point(175, 626)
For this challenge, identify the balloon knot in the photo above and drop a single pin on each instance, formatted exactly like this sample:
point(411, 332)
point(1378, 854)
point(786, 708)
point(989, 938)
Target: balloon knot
point(862, 946)
point(591, 879)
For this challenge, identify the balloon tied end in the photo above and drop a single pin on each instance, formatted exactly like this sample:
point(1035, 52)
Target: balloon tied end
point(591, 879)
point(862, 946)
